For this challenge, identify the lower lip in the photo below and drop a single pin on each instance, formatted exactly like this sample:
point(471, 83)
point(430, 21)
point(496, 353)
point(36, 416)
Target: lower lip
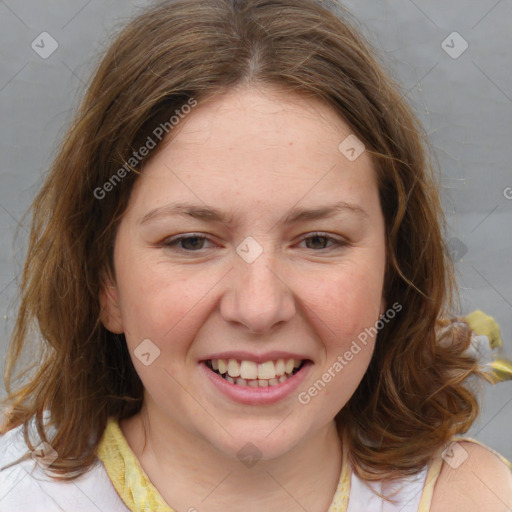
point(257, 396)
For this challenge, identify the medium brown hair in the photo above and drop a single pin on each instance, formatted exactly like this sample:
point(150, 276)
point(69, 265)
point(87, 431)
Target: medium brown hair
point(411, 400)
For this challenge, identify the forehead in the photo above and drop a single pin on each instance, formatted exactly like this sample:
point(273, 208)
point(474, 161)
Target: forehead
point(251, 119)
point(258, 147)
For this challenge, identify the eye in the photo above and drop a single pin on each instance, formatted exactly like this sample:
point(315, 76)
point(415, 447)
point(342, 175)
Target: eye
point(189, 243)
point(195, 242)
point(319, 241)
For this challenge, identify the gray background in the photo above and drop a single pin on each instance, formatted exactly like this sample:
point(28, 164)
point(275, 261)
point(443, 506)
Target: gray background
point(465, 103)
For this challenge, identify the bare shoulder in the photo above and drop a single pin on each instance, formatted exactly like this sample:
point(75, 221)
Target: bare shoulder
point(472, 478)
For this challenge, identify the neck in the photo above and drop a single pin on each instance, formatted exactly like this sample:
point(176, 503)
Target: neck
point(192, 475)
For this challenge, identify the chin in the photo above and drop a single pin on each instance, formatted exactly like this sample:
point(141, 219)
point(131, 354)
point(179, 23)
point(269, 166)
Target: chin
point(248, 444)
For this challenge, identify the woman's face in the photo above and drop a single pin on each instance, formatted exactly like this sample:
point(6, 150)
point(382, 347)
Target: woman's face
point(291, 267)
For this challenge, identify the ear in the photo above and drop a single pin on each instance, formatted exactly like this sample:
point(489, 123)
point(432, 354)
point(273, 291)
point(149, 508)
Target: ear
point(110, 314)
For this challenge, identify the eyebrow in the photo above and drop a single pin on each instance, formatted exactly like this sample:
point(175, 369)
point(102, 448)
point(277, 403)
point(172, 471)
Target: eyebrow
point(211, 215)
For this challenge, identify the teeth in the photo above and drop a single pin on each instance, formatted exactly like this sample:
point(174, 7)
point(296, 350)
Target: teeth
point(249, 373)
point(249, 370)
point(233, 368)
point(280, 367)
point(256, 383)
point(266, 370)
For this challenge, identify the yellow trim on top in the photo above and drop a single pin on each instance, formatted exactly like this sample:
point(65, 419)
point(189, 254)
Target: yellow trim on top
point(340, 500)
point(430, 481)
point(435, 469)
point(126, 474)
point(139, 494)
point(501, 457)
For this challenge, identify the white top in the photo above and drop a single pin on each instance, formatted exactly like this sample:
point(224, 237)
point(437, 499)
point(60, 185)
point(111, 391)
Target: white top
point(24, 486)
point(407, 497)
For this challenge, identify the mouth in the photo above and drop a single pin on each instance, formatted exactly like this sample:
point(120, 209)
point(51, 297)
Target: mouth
point(256, 375)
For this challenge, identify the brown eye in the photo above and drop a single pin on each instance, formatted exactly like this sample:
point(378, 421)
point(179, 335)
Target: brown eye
point(320, 241)
point(188, 243)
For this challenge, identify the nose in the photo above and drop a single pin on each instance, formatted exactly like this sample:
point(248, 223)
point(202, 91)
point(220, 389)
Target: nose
point(257, 297)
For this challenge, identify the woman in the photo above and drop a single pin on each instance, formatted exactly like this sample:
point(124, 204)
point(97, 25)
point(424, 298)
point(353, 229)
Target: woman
point(237, 268)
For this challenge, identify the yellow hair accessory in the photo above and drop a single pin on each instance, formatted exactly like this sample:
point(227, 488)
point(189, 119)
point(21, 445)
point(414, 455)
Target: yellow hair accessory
point(499, 368)
point(485, 325)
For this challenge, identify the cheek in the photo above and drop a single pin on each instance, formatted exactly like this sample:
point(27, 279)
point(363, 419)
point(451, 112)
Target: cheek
point(149, 299)
point(165, 304)
point(346, 302)
point(152, 307)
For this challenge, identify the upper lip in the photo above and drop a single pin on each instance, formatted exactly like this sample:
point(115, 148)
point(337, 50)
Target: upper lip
point(257, 358)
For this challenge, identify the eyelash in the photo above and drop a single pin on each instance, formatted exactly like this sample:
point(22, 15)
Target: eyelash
point(173, 242)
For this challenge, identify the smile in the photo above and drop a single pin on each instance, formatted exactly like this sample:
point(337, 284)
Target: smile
point(252, 374)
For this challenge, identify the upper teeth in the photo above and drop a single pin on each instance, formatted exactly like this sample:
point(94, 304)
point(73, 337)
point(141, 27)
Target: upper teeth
point(251, 370)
